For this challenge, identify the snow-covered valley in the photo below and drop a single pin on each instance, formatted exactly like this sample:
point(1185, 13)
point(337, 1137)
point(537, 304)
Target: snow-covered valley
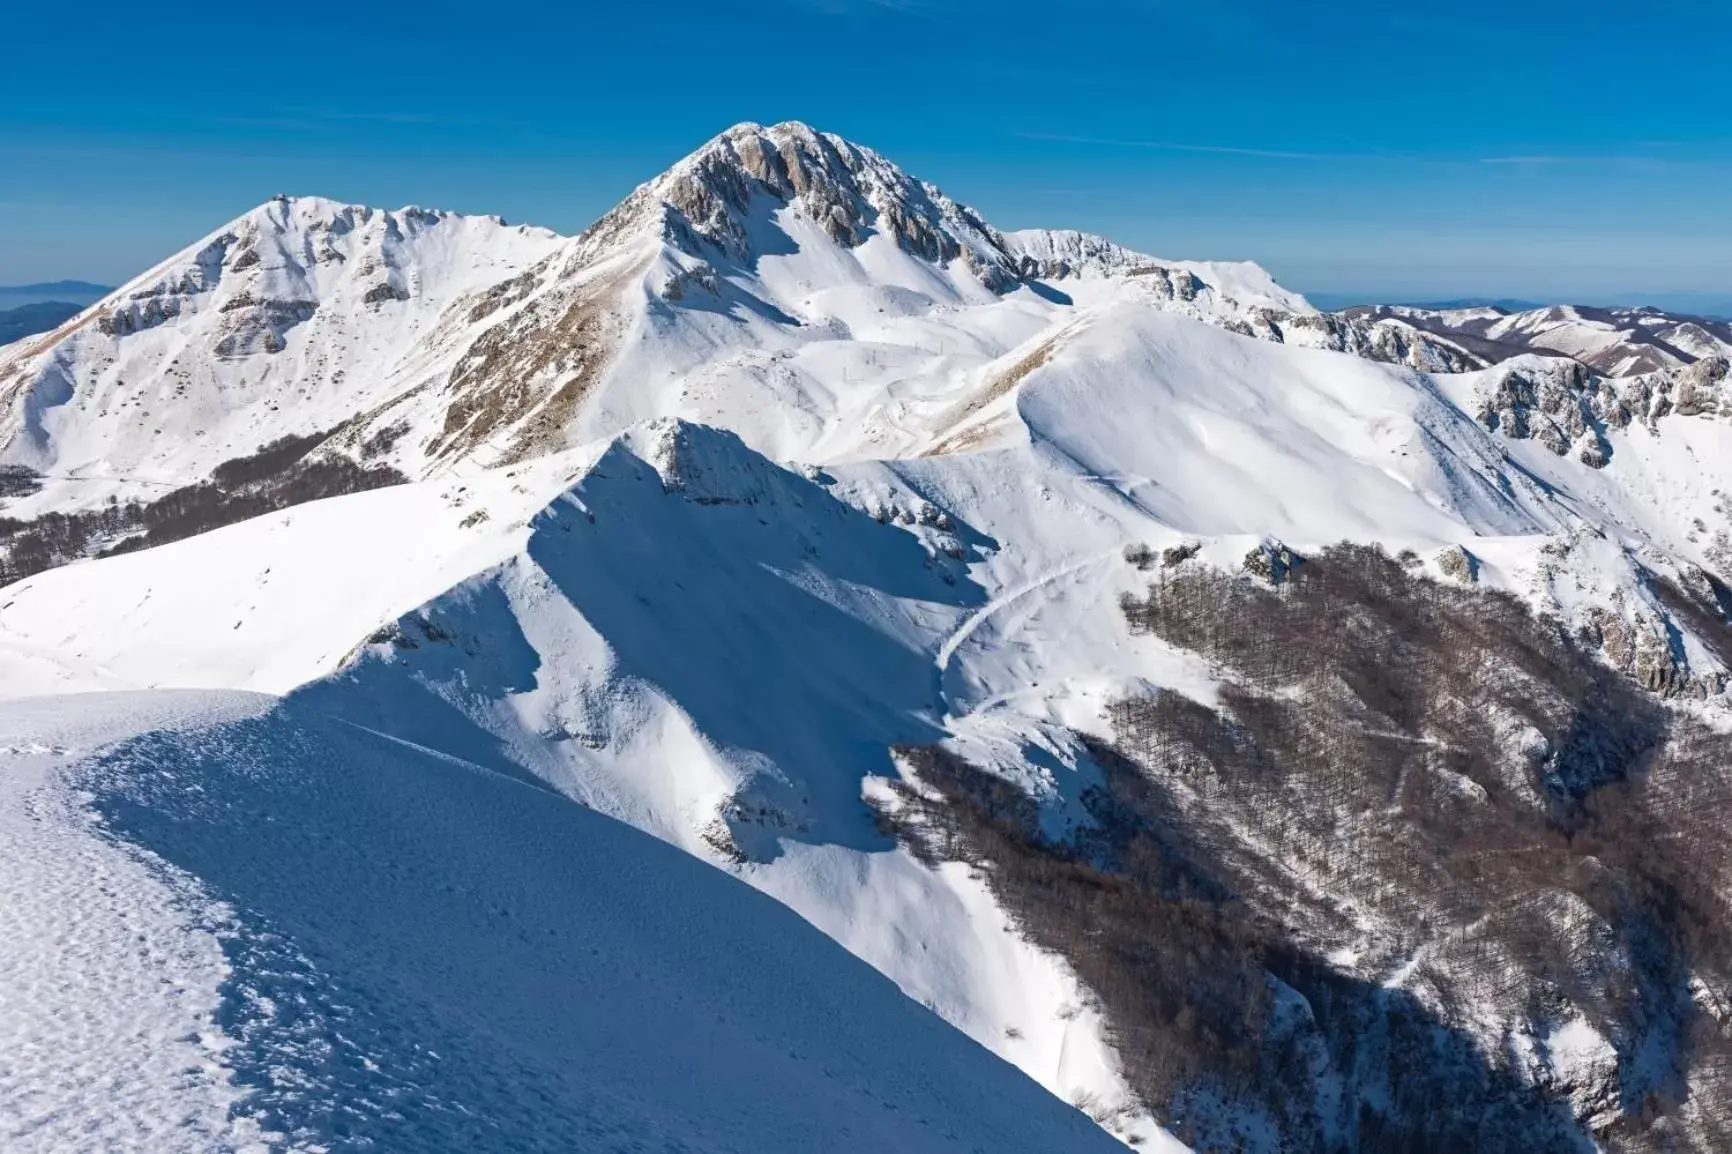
point(381, 565)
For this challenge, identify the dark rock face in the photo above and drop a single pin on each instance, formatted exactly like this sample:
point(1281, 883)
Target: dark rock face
point(384, 291)
point(1272, 562)
point(709, 203)
point(1568, 408)
point(1561, 405)
point(260, 326)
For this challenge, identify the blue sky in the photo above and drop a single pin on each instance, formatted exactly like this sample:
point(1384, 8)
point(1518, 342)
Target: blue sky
point(1549, 150)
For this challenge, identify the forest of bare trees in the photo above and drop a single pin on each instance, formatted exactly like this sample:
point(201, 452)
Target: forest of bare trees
point(282, 473)
point(1424, 831)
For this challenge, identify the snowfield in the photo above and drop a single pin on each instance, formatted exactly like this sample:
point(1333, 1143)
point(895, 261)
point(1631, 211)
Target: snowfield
point(235, 925)
point(786, 463)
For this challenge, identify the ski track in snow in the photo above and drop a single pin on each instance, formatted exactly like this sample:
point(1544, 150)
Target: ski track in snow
point(975, 620)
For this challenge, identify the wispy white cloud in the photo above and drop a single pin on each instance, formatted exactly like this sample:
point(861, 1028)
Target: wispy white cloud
point(1369, 152)
point(300, 119)
point(1549, 159)
point(1177, 146)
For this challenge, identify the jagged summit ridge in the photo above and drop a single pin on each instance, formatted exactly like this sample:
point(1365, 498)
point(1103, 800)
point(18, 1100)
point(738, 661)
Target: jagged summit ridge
point(706, 201)
point(716, 199)
point(417, 338)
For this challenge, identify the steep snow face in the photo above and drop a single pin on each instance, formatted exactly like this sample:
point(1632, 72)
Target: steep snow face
point(1219, 435)
point(414, 952)
point(808, 294)
point(290, 320)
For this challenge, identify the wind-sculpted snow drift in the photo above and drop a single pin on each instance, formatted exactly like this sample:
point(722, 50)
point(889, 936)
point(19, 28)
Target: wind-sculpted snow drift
point(981, 596)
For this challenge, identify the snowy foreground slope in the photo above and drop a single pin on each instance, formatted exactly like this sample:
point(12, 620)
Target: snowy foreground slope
point(973, 594)
point(231, 924)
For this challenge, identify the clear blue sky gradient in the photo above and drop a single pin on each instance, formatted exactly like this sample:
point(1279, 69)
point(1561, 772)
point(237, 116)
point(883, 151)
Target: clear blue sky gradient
point(1548, 150)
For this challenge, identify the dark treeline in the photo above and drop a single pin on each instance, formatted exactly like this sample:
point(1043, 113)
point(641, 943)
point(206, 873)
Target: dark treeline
point(281, 474)
point(1424, 827)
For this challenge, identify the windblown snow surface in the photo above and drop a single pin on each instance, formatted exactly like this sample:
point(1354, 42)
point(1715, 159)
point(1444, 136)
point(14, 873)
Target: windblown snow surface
point(788, 461)
point(232, 924)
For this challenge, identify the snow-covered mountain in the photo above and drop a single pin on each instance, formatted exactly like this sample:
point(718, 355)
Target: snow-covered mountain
point(1617, 342)
point(797, 516)
point(289, 321)
point(803, 288)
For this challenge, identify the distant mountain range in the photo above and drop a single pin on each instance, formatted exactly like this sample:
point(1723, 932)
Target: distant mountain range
point(1619, 342)
point(28, 309)
point(1716, 306)
point(1507, 304)
point(64, 288)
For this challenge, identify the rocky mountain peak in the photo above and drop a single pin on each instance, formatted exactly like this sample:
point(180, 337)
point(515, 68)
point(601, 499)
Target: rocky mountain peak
point(719, 201)
point(729, 201)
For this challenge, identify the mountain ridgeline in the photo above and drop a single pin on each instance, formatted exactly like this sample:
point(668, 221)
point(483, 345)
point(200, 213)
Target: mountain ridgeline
point(1268, 729)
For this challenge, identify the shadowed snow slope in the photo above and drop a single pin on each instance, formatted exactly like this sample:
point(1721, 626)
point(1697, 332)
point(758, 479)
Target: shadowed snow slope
point(345, 942)
point(674, 631)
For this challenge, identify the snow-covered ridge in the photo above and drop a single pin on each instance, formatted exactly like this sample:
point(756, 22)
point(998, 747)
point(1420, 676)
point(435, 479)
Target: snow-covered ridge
point(790, 462)
point(536, 620)
point(290, 320)
point(1617, 342)
point(1060, 253)
point(751, 273)
point(465, 962)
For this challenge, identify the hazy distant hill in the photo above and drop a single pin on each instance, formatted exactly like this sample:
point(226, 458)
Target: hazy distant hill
point(78, 292)
point(26, 320)
point(63, 287)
